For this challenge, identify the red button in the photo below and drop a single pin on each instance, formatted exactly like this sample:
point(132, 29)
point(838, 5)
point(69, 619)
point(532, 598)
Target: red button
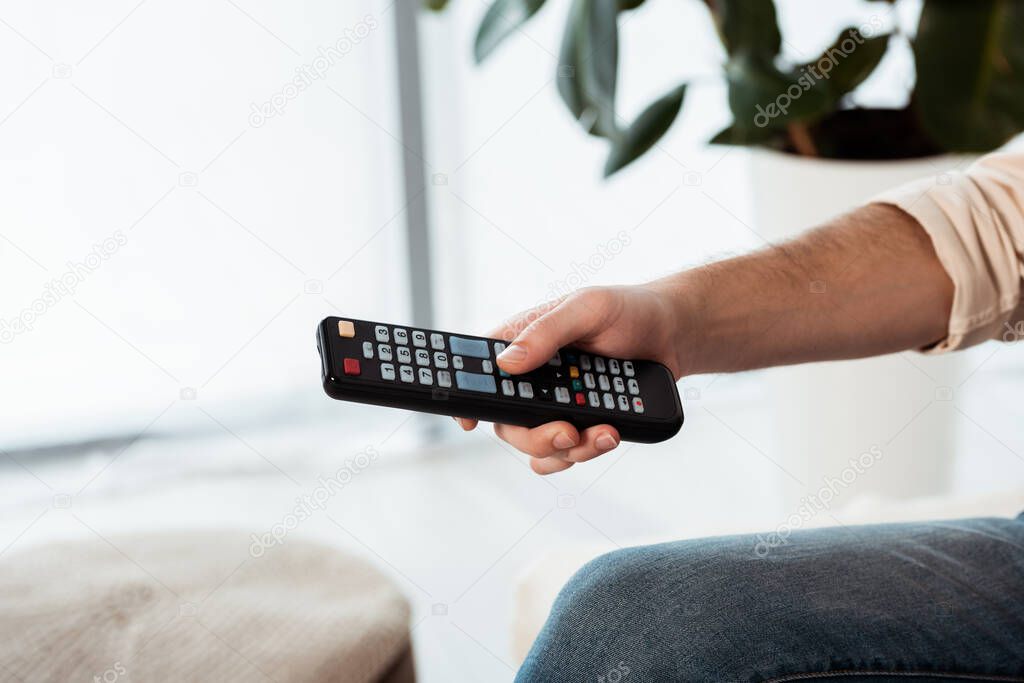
point(351, 366)
point(579, 398)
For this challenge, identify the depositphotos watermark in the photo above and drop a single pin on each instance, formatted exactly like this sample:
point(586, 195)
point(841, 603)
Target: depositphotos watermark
point(307, 74)
point(581, 273)
point(816, 72)
point(61, 287)
point(818, 502)
point(308, 505)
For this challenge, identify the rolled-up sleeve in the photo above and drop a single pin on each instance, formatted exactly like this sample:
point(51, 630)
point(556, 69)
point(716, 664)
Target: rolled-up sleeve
point(976, 222)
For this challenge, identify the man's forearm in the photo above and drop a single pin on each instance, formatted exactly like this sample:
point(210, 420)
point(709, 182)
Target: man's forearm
point(864, 284)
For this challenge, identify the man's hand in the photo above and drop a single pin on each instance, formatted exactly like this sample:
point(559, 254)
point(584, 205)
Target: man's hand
point(622, 322)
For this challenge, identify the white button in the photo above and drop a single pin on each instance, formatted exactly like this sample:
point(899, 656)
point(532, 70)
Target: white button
point(526, 390)
point(619, 385)
point(437, 341)
point(623, 403)
point(384, 351)
point(634, 388)
point(404, 354)
point(595, 400)
point(440, 359)
point(498, 348)
point(609, 402)
point(507, 387)
point(422, 357)
point(405, 372)
point(444, 378)
point(367, 349)
point(638, 404)
point(599, 364)
point(588, 380)
point(457, 362)
point(603, 381)
point(426, 377)
point(382, 333)
point(613, 366)
point(561, 394)
point(486, 366)
point(556, 360)
point(401, 336)
point(585, 362)
point(387, 371)
point(419, 338)
point(627, 368)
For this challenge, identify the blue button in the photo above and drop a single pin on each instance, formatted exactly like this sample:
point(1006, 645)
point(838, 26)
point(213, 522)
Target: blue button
point(474, 381)
point(474, 348)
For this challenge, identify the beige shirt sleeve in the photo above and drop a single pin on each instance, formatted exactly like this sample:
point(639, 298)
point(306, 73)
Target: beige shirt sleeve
point(976, 222)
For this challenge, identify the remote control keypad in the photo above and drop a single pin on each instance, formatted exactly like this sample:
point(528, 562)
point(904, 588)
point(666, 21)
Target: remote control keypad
point(429, 359)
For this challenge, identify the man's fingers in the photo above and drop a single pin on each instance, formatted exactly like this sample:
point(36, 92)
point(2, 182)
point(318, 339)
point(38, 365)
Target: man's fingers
point(466, 423)
point(549, 465)
point(553, 438)
point(594, 442)
point(573, 318)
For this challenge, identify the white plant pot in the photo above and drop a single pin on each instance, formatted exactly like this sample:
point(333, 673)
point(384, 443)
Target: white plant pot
point(826, 414)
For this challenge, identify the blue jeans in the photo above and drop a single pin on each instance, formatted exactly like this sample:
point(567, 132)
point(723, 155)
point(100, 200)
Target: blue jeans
point(938, 601)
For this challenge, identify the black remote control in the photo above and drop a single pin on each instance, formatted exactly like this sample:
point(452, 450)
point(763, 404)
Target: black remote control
point(456, 374)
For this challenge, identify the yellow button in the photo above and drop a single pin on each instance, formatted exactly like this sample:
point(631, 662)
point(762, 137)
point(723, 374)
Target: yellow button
point(346, 328)
point(574, 371)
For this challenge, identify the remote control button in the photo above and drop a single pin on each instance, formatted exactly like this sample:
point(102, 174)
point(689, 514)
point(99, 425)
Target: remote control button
point(404, 354)
point(487, 366)
point(508, 388)
point(444, 379)
point(405, 372)
point(627, 368)
point(437, 341)
point(609, 402)
point(634, 387)
point(556, 360)
point(570, 358)
point(419, 338)
point(367, 349)
point(580, 399)
point(474, 381)
point(422, 357)
point(474, 348)
point(599, 364)
point(623, 403)
point(593, 399)
point(457, 362)
point(574, 371)
point(346, 328)
point(498, 348)
point(383, 351)
point(603, 382)
point(440, 359)
point(561, 394)
point(426, 376)
point(620, 386)
point(585, 362)
point(503, 373)
point(638, 404)
point(401, 336)
point(381, 331)
point(588, 379)
point(544, 392)
point(351, 366)
point(577, 385)
point(613, 366)
point(387, 371)
point(525, 390)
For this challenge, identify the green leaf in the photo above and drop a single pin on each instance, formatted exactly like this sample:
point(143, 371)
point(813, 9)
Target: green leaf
point(436, 5)
point(748, 26)
point(588, 65)
point(847, 62)
point(764, 99)
point(502, 19)
point(645, 131)
point(626, 5)
point(970, 72)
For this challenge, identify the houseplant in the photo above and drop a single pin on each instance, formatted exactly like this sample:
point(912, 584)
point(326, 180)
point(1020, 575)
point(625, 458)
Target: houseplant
point(818, 154)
